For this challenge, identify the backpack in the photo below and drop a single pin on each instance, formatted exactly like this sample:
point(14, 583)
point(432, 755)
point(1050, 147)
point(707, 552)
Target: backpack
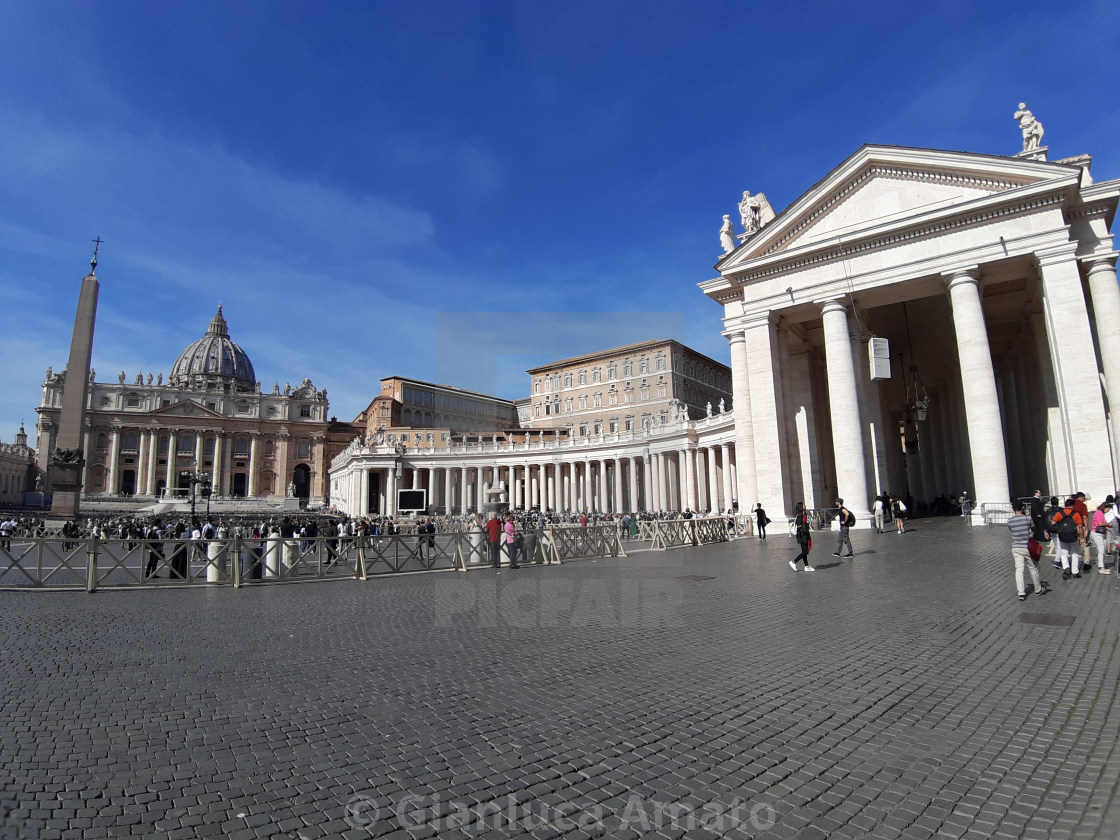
point(1067, 528)
point(850, 519)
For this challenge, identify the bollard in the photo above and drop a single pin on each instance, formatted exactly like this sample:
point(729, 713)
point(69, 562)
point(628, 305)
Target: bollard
point(360, 567)
point(272, 556)
point(216, 555)
point(236, 561)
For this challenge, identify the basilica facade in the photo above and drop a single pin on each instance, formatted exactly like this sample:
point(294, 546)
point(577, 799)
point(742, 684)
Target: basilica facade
point(145, 439)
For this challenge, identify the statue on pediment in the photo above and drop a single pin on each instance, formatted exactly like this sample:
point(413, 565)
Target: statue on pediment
point(1031, 128)
point(709, 408)
point(159, 379)
point(727, 235)
point(722, 406)
point(149, 378)
point(121, 377)
point(755, 212)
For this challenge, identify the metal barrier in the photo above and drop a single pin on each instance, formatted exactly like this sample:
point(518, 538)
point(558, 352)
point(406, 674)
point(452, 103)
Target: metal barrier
point(995, 513)
point(91, 563)
point(673, 533)
point(571, 542)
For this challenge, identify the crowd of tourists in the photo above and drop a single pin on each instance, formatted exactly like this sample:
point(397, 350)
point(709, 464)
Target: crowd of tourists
point(1075, 538)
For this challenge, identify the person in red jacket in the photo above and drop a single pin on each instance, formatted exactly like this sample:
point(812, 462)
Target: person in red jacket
point(494, 534)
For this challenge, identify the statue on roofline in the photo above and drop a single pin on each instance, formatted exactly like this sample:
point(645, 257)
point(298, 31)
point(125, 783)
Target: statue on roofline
point(1032, 129)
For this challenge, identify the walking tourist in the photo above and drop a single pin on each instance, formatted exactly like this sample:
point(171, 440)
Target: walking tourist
point(898, 508)
point(804, 537)
point(511, 539)
point(1020, 526)
point(762, 519)
point(847, 520)
point(879, 508)
point(493, 534)
point(1098, 535)
point(1068, 527)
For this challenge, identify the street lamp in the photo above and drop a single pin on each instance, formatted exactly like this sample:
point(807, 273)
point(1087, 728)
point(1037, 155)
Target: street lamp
point(195, 479)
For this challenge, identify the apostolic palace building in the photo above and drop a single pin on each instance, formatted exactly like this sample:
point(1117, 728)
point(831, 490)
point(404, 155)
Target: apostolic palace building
point(920, 322)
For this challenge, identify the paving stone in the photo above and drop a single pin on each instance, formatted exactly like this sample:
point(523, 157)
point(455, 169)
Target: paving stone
point(895, 696)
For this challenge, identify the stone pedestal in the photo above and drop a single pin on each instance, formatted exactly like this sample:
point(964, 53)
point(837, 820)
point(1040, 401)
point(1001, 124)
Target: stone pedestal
point(66, 485)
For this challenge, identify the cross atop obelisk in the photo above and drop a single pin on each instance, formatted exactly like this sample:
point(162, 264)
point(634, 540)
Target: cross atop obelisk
point(68, 460)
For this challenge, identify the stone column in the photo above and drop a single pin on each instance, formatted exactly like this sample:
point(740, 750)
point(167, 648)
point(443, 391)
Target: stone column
point(632, 505)
point(604, 506)
point(847, 436)
point(390, 491)
point(747, 484)
point(153, 459)
point(363, 493)
point(713, 482)
point(648, 497)
point(725, 460)
point(585, 486)
point(141, 461)
point(114, 460)
point(688, 483)
point(172, 460)
point(254, 464)
point(981, 402)
point(480, 498)
point(1106, 318)
point(216, 475)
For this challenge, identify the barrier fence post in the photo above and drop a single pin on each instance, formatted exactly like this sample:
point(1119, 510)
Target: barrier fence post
point(235, 562)
point(360, 567)
point(91, 565)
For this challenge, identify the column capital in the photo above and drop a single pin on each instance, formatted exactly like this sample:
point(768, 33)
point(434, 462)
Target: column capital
point(1100, 262)
point(965, 274)
point(832, 305)
point(1065, 252)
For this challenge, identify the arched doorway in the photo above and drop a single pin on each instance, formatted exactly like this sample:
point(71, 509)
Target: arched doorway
point(301, 478)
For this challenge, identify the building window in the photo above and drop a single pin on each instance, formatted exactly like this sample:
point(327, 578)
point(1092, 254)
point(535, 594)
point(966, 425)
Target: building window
point(567, 380)
point(597, 401)
point(163, 445)
point(628, 396)
point(536, 409)
point(568, 404)
point(629, 425)
point(645, 392)
point(643, 365)
point(186, 443)
point(664, 417)
point(612, 371)
point(583, 430)
point(583, 401)
point(208, 446)
point(614, 427)
point(404, 437)
point(612, 398)
point(661, 390)
point(303, 449)
point(537, 387)
point(243, 407)
point(598, 428)
point(627, 368)
point(305, 411)
point(241, 447)
point(130, 442)
point(133, 401)
point(582, 378)
point(596, 375)
point(661, 363)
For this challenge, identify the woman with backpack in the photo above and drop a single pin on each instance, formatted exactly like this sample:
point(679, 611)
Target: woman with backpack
point(1067, 526)
point(801, 524)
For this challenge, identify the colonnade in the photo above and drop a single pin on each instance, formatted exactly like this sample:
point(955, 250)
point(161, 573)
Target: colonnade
point(693, 477)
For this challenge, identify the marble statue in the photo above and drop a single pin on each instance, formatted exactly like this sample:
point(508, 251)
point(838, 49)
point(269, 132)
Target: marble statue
point(140, 378)
point(749, 211)
point(1031, 128)
point(159, 379)
point(709, 408)
point(120, 377)
point(727, 235)
point(50, 372)
point(287, 389)
point(38, 484)
point(379, 436)
point(149, 378)
point(291, 489)
point(722, 407)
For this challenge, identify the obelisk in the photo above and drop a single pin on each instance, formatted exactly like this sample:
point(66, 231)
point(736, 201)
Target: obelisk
point(69, 459)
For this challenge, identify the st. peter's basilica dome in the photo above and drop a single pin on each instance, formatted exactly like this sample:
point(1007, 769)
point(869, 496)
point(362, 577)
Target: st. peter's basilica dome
point(214, 362)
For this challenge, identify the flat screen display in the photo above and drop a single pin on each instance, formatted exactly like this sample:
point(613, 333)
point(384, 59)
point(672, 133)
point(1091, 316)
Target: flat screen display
point(412, 500)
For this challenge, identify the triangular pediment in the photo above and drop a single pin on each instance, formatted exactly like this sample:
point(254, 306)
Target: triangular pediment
point(879, 186)
point(185, 409)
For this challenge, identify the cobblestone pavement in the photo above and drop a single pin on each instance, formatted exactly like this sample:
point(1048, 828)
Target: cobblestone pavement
point(895, 694)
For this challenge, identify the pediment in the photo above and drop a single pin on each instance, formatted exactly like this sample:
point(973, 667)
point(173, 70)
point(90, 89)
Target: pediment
point(879, 186)
point(185, 409)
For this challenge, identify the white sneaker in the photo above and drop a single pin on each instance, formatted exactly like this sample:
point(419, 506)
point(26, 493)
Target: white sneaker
point(810, 569)
point(793, 565)
point(1103, 571)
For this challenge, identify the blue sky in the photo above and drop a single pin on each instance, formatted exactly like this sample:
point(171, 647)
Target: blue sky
point(459, 191)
